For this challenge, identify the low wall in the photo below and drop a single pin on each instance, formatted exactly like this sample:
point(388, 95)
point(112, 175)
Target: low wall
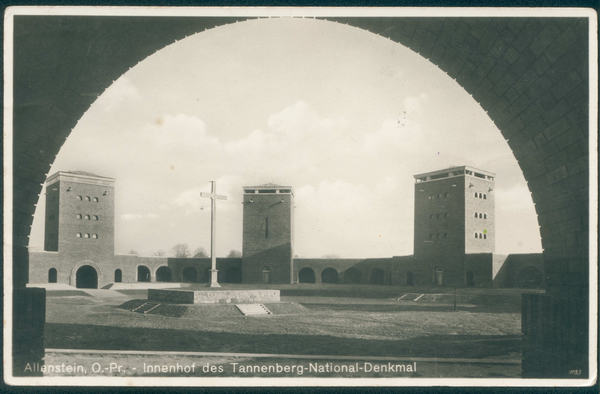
point(213, 296)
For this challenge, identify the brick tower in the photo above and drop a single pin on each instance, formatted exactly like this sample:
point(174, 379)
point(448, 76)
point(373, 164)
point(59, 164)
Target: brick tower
point(80, 214)
point(454, 216)
point(268, 234)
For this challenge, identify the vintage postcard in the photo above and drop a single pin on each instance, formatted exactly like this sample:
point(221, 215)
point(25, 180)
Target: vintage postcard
point(300, 196)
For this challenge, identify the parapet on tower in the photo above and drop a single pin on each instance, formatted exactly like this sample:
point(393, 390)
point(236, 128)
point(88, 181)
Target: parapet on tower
point(268, 234)
point(454, 212)
point(79, 213)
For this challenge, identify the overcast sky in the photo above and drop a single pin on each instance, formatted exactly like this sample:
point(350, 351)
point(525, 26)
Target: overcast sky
point(343, 116)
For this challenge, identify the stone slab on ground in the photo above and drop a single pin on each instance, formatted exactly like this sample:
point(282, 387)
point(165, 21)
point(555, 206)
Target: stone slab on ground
point(213, 296)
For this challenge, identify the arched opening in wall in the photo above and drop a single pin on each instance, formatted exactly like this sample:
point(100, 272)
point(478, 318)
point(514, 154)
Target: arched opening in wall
point(266, 275)
point(352, 276)
point(306, 275)
point(118, 276)
point(377, 276)
point(143, 274)
point(189, 275)
point(470, 279)
point(233, 275)
point(529, 277)
point(410, 279)
point(438, 273)
point(329, 275)
point(164, 274)
point(52, 275)
point(86, 278)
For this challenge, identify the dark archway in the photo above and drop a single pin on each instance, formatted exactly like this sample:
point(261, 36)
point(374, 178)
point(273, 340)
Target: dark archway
point(306, 275)
point(352, 276)
point(189, 275)
point(164, 274)
point(233, 275)
point(86, 278)
point(529, 74)
point(529, 277)
point(205, 276)
point(118, 276)
point(470, 279)
point(329, 275)
point(410, 279)
point(143, 273)
point(377, 276)
point(52, 275)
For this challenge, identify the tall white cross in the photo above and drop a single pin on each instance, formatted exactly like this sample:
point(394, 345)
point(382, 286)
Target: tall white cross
point(213, 220)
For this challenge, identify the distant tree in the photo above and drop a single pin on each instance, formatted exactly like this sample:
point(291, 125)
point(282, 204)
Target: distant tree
point(133, 251)
point(200, 253)
point(159, 253)
point(331, 256)
point(234, 254)
point(181, 251)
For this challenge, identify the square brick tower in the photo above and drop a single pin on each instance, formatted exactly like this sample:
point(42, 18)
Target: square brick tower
point(454, 216)
point(80, 214)
point(268, 235)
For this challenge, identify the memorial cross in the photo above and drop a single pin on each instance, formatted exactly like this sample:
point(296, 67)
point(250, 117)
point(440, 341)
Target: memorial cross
point(213, 220)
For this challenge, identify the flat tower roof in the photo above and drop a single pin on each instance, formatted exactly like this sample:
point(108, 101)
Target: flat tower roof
point(454, 171)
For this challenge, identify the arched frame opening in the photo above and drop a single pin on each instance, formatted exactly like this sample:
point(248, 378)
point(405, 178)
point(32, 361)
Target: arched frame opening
point(529, 74)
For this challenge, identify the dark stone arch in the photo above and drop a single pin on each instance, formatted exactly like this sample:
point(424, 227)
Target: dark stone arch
point(530, 75)
point(189, 275)
point(306, 275)
point(352, 276)
point(52, 275)
point(118, 276)
point(164, 274)
point(143, 273)
point(377, 276)
point(329, 275)
point(86, 277)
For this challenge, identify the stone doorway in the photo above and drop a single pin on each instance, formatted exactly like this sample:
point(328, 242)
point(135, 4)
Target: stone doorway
point(86, 278)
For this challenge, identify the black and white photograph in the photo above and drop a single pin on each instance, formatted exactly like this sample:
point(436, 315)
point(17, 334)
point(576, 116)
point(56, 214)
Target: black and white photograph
point(300, 196)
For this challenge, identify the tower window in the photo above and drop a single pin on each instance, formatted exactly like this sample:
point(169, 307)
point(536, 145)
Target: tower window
point(475, 195)
point(95, 236)
point(80, 198)
point(475, 235)
point(87, 198)
point(439, 195)
point(475, 214)
point(480, 216)
point(87, 235)
point(87, 217)
point(95, 199)
point(431, 197)
point(78, 235)
point(445, 235)
point(266, 227)
point(484, 236)
point(79, 216)
point(445, 195)
point(95, 217)
point(485, 215)
point(484, 196)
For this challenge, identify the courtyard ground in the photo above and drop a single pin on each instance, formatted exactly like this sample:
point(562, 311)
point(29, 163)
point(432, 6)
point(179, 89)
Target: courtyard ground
point(480, 339)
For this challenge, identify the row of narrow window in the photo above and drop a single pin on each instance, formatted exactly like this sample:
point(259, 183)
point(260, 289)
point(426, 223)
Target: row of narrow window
point(438, 216)
point(87, 198)
point(479, 235)
point(80, 235)
point(88, 217)
point(480, 215)
point(439, 195)
point(480, 195)
point(437, 235)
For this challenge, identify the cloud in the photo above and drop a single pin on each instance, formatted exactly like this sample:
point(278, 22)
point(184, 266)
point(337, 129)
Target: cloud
point(121, 92)
point(181, 134)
